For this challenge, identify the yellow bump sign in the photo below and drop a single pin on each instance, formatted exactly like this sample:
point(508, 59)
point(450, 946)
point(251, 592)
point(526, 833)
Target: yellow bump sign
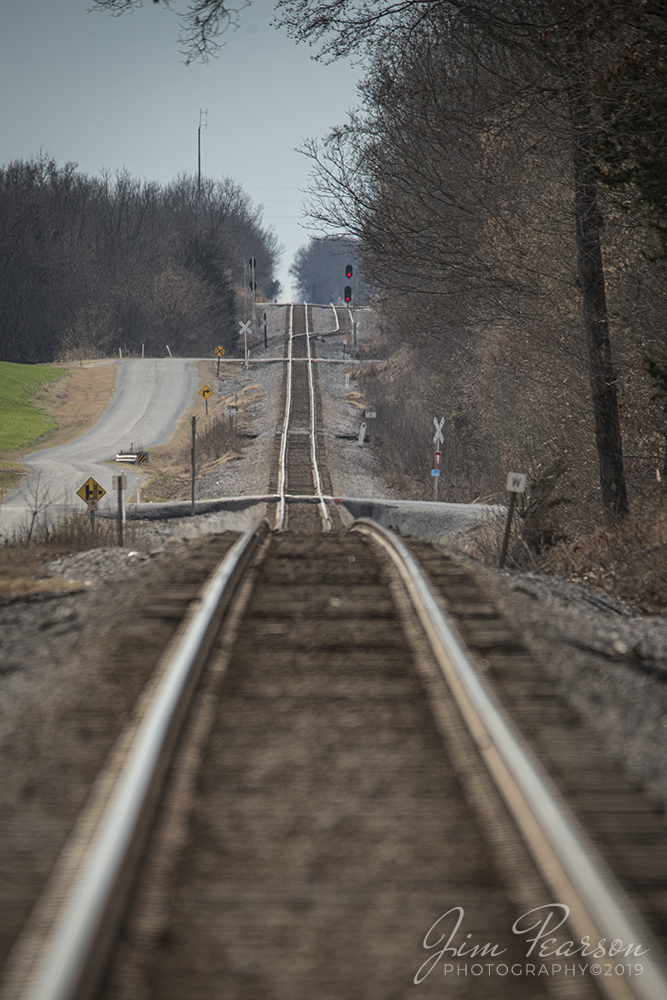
point(206, 392)
point(219, 352)
point(91, 492)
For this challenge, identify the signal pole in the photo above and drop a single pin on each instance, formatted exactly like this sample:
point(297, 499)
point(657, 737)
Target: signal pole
point(252, 263)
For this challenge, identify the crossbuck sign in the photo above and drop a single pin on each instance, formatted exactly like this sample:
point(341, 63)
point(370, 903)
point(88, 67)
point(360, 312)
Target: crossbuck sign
point(438, 437)
point(245, 330)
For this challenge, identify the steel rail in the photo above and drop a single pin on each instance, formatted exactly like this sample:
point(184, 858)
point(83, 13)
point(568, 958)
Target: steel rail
point(567, 858)
point(324, 513)
point(282, 466)
point(81, 904)
point(335, 317)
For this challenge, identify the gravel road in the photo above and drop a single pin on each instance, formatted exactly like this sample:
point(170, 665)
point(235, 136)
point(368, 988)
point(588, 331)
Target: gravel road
point(150, 396)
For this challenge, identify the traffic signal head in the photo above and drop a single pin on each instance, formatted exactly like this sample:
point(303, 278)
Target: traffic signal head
point(348, 271)
point(348, 293)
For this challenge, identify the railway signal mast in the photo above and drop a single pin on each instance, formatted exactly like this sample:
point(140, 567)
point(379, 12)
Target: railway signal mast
point(252, 263)
point(347, 295)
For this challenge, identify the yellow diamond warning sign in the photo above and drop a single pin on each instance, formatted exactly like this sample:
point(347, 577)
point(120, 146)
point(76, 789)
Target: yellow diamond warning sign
point(91, 492)
point(220, 352)
point(206, 392)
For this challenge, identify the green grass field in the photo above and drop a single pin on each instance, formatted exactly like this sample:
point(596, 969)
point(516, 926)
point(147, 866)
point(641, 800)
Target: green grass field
point(21, 421)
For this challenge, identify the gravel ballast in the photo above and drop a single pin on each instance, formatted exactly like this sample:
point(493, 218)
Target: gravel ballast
point(72, 665)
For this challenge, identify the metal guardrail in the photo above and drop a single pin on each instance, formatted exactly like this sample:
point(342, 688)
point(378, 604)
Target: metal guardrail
point(566, 856)
point(58, 957)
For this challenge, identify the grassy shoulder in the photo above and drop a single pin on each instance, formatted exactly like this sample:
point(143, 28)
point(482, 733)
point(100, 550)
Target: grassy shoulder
point(42, 405)
point(22, 420)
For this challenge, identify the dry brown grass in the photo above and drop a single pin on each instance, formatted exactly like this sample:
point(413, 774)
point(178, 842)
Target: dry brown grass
point(22, 565)
point(627, 560)
point(168, 475)
point(12, 475)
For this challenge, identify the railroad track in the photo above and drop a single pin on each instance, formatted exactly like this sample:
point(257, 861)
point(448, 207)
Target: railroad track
point(300, 478)
point(331, 789)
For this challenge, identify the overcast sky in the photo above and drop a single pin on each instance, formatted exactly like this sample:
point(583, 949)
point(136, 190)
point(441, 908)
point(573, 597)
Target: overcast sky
point(113, 92)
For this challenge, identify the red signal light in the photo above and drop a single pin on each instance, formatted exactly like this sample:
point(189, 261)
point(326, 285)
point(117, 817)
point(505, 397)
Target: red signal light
point(348, 293)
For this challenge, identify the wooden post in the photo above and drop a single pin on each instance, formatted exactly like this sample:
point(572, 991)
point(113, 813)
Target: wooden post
point(119, 484)
point(194, 459)
point(120, 512)
point(508, 528)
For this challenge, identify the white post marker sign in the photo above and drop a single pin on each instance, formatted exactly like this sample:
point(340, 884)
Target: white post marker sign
point(516, 482)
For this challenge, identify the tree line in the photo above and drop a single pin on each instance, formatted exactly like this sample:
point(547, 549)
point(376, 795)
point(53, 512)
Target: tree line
point(91, 265)
point(505, 177)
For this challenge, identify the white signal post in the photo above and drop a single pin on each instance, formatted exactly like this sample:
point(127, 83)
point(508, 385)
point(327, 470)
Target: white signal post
point(438, 438)
point(245, 329)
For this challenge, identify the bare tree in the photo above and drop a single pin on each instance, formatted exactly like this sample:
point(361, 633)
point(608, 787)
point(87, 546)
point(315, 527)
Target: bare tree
point(81, 258)
point(501, 52)
point(39, 497)
point(201, 24)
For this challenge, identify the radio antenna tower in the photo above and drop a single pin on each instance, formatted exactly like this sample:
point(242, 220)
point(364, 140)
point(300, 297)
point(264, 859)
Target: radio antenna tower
point(203, 123)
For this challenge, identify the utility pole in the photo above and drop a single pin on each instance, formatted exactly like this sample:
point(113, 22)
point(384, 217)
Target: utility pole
point(193, 456)
point(203, 123)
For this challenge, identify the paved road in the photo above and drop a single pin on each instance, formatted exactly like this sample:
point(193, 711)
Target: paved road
point(150, 396)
